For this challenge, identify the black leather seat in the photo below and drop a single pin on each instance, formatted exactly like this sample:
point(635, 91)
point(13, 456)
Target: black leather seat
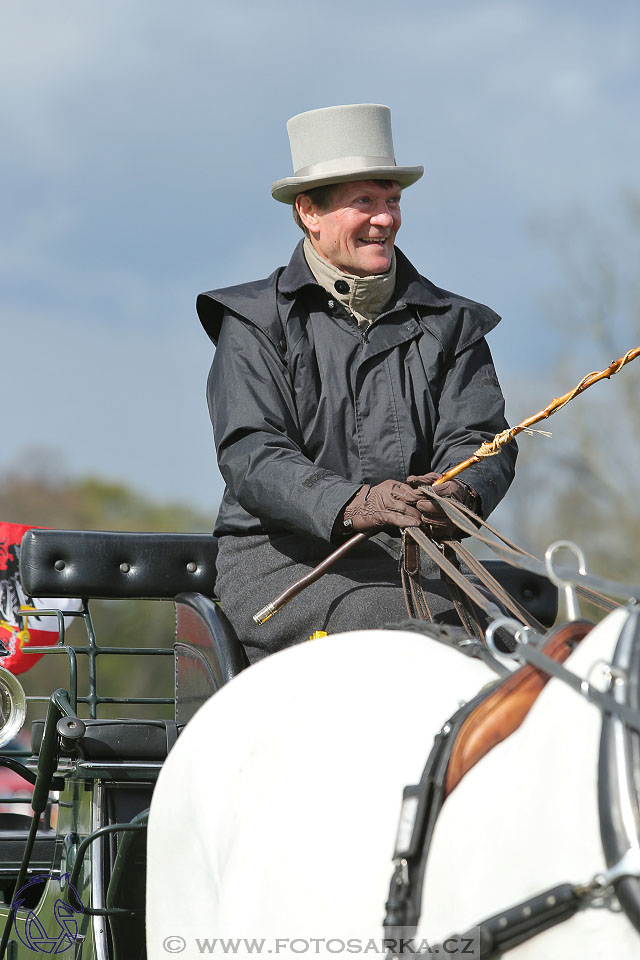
point(117, 566)
point(164, 566)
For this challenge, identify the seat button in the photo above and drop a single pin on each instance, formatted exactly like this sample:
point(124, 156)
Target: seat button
point(192, 567)
point(125, 567)
point(341, 286)
point(59, 564)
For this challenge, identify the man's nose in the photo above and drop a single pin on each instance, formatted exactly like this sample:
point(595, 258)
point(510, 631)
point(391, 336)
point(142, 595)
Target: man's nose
point(382, 219)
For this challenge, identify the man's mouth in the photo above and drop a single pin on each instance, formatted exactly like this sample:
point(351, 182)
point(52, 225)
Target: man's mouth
point(379, 241)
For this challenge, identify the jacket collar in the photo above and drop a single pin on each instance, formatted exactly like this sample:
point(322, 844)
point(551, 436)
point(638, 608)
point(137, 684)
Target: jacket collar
point(258, 301)
point(411, 287)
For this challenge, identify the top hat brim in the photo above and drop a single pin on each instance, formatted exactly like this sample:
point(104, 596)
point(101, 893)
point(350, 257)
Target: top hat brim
point(287, 189)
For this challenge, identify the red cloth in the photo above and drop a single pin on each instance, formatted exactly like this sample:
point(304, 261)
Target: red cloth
point(16, 631)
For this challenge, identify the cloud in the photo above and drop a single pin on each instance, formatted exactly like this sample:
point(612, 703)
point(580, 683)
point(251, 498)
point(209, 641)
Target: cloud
point(143, 138)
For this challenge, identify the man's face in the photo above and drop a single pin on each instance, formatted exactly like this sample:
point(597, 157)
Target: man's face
point(357, 232)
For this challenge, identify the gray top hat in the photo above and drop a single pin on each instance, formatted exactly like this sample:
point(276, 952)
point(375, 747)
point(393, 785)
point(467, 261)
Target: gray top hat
point(337, 144)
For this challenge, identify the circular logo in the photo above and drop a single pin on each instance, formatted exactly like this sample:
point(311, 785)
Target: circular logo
point(34, 936)
point(174, 944)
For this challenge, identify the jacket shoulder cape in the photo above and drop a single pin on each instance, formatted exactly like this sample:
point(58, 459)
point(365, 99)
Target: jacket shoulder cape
point(256, 302)
point(455, 321)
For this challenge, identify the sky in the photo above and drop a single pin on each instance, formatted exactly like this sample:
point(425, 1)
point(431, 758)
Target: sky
point(139, 143)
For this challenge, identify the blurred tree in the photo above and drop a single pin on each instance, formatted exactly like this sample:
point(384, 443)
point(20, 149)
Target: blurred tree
point(583, 485)
point(40, 493)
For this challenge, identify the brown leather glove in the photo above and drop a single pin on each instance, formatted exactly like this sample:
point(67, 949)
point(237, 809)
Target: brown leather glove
point(434, 519)
point(388, 504)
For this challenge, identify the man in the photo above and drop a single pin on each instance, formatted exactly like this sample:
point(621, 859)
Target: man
point(339, 386)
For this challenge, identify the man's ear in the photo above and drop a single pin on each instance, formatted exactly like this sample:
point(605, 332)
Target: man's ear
point(307, 213)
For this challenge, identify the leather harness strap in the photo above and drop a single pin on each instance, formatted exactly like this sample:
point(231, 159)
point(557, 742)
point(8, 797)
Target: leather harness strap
point(465, 595)
point(509, 928)
point(414, 598)
point(450, 570)
point(466, 611)
point(494, 586)
point(421, 805)
point(590, 588)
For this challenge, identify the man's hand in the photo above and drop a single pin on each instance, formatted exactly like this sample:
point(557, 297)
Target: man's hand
point(434, 519)
point(388, 504)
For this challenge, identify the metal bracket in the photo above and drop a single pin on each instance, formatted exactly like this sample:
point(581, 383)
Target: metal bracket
point(566, 586)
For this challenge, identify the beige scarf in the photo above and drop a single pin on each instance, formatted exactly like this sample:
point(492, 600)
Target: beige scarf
point(366, 297)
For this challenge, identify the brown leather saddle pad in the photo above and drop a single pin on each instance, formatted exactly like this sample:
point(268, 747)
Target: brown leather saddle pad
point(503, 711)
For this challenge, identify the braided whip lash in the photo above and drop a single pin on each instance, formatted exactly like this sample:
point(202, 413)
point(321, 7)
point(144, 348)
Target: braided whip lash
point(487, 449)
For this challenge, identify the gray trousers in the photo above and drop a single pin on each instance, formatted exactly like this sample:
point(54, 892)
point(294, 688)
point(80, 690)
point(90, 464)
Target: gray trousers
point(361, 591)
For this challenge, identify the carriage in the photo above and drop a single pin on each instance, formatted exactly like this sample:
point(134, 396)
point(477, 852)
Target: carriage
point(73, 876)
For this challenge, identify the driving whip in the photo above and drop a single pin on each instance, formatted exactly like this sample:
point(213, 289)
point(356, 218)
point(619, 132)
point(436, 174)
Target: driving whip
point(487, 449)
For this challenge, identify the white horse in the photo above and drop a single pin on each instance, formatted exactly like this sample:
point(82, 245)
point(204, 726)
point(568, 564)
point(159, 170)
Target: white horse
point(273, 823)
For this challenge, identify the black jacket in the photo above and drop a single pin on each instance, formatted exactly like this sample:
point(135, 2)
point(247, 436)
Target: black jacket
point(306, 408)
